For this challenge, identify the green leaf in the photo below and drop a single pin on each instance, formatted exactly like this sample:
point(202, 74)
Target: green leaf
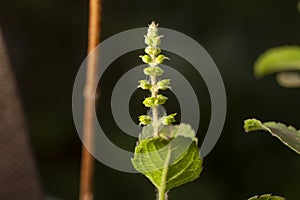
point(286, 134)
point(278, 59)
point(183, 129)
point(266, 197)
point(169, 131)
point(169, 162)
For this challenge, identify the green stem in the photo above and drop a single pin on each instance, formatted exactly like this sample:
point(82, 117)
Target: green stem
point(162, 193)
point(155, 121)
point(154, 109)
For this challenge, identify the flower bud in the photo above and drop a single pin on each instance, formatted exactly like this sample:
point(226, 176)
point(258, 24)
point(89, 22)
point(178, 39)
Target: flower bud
point(149, 102)
point(145, 120)
point(156, 40)
point(160, 99)
point(146, 59)
point(153, 71)
point(152, 50)
point(159, 59)
point(167, 120)
point(145, 85)
point(148, 40)
point(152, 30)
point(163, 84)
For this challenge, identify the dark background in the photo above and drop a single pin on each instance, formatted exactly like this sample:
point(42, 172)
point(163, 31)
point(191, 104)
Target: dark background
point(47, 42)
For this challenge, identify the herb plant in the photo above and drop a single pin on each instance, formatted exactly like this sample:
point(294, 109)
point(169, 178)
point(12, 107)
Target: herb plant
point(166, 154)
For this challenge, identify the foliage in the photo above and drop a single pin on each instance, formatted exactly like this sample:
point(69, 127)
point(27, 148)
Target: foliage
point(266, 197)
point(169, 163)
point(286, 134)
point(285, 61)
point(166, 154)
point(280, 59)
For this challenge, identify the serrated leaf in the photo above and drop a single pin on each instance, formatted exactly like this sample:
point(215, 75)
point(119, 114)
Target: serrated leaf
point(286, 134)
point(266, 197)
point(168, 162)
point(278, 59)
point(169, 131)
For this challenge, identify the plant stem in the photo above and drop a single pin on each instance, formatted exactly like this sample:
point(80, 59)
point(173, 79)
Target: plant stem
point(162, 194)
point(154, 109)
point(87, 160)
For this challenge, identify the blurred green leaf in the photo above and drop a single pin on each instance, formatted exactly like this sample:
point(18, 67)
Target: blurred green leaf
point(279, 59)
point(266, 197)
point(286, 134)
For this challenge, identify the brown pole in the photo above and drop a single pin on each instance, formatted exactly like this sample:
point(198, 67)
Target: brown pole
point(87, 160)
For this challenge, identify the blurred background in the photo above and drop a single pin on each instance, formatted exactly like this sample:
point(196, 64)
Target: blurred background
point(47, 42)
